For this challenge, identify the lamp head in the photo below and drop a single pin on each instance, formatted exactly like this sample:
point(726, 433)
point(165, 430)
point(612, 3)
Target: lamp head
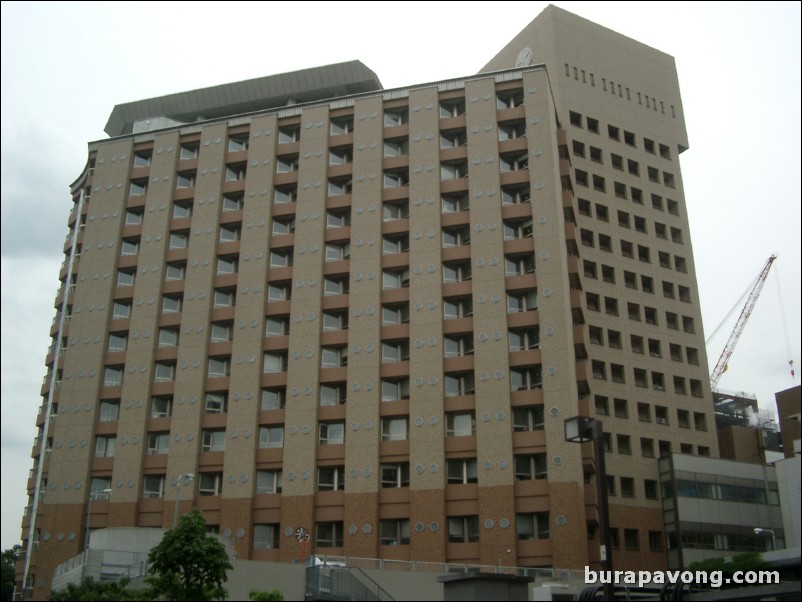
point(758, 531)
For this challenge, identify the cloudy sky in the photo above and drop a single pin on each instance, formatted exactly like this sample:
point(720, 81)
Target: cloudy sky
point(65, 65)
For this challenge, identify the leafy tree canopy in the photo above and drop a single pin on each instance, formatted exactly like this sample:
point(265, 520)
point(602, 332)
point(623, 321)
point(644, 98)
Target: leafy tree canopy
point(266, 596)
point(189, 564)
point(749, 561)
point(90, 589)
point(9, 562)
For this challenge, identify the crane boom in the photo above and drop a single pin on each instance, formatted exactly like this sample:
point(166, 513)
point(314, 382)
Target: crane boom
point(721, 365)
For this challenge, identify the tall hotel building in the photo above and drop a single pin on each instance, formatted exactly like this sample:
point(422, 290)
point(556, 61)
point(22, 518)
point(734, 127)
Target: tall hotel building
point(368, 312)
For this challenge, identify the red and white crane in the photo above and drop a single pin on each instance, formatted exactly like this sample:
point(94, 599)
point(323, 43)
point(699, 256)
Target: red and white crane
point(754, 293)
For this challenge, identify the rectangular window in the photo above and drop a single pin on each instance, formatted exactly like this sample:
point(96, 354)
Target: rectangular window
point(395, 389)
point(104, 446)
point(158, 443)
point(462, 471)
point(216, 403)
point(238, 143)
point(266, 537)
point(459, 383)
point(338, 251)
point(521, 301)
point(236, 171)
point(189, 151)
point(279, 291)
point(185, 179)
point(332, 433)
point(338, 218)
point(275, 362)
point(125, 278)
point(273, 398)
point(329, 535)
point(161, 407)
point(340, 186)
point(395, 314)
point(533, 525)
point(332, 394)
point(631, 539)
point(463, 529)
point(395, 117)
point(221, 332)
point(457, 307)
point(395, 475)
point(138, 187)
point(333, 321)
point(285, 194)
point(395, 429)
point(395, 210)
point(333, 357)
point(171, 304)
point(210, 483)
point(219, 367)
point(394, 532)
point(175, 271)
point(517, 265)
point(453, 170)
point(152, 487)
point(117, 342)
point(142, 158)
point(271, 437)
point(213, 441)
point(331, 478)
point(289, 133)
point(529, 418)
point(395, 351)
point(227, 264)
point(453, 138)
point(164, 372)
point(121, 310)
point(526, 377)
point(396, 178)
point(531, 467)
point(224, 297)
point(460, 424)
point(233, 202)
point(452, 107)
point(109, 411)
point(268, 481)
point(458, 345)
point(342, 125)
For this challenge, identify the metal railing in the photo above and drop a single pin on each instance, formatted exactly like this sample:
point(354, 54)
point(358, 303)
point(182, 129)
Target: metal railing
point(340, 582)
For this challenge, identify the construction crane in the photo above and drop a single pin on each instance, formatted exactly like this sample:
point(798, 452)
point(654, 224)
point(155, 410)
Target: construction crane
point(754, 293)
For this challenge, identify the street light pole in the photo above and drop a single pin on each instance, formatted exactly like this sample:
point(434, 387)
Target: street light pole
point(759, 531)
point(183, 479)
point(92, 496)
point(582, 429)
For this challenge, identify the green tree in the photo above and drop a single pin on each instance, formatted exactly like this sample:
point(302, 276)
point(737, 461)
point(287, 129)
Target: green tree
point(265, 596)
point(10, 557)
point(748, 561)
point(90, 589)
point(189, 564)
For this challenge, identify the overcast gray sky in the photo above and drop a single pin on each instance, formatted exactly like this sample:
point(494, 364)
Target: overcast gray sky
point(65, 65)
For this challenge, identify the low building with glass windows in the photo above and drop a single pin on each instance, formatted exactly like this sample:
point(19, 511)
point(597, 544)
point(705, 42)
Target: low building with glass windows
point(717, 507)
